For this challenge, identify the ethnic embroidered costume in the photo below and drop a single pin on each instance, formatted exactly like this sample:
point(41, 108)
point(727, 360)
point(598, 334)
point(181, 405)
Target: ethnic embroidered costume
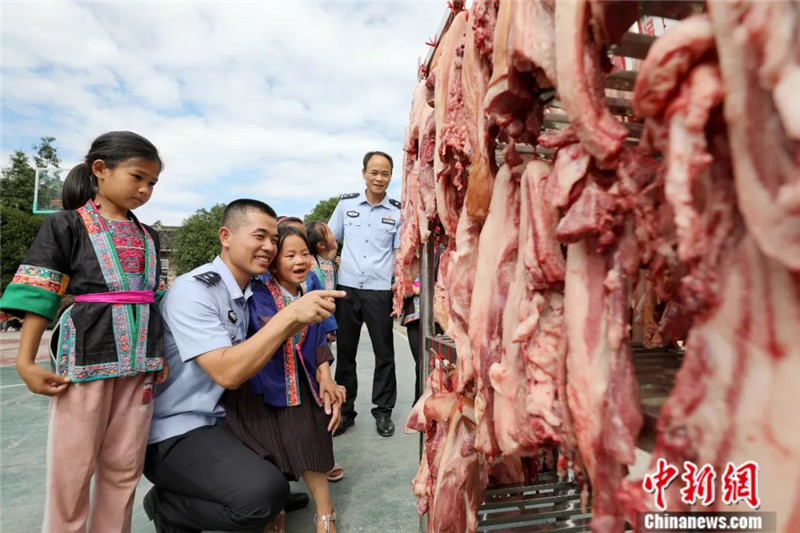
point(326, 272)
point(81, 253)
point(296, 359)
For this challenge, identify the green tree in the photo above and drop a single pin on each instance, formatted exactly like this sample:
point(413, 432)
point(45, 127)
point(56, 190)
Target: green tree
point(197, 241)
point(17, 230)
point(323, 210)
point(46, 154)
point(50, 183)
point(18, 224)
point(18, 180)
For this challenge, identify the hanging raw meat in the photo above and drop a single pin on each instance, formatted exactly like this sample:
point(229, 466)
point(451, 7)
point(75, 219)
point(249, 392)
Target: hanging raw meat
point(765, 160)
point(450, 157)
point(580, 80)
point(497, 254)
point(481, 133)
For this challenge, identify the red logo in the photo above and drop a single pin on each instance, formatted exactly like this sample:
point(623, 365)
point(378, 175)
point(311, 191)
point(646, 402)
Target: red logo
point(741, 484)
point(658, 482)
point(699, 484)
point(738, 484)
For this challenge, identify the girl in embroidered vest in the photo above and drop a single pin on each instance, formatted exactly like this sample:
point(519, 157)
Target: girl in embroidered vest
point(283, 413)
point(106, 350)
point(323, 247)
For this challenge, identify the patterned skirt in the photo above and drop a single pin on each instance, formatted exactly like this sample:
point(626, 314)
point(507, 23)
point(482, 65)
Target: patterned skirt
point(295, 439)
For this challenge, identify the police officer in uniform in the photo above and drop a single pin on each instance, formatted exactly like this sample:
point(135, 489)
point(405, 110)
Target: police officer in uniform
point(369, 224)
point(204, 477)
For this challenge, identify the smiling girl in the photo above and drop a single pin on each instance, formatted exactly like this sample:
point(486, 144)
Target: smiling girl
point(283, 413)
point(107, 347)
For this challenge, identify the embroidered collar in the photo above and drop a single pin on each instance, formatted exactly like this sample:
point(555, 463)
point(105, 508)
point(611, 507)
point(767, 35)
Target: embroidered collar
point(101, 239)
point(292, 355)
point(117, 220)
point(288, 295)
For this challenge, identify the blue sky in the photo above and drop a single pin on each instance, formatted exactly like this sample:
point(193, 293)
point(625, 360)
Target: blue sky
point(271, 100)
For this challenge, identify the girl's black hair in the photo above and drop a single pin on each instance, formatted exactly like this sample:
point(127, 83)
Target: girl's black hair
point(316, 235)
point(283, 221)
point(285, 232)
point(112, 148)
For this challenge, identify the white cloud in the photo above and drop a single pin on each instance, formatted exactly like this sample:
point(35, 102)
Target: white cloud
point(279, 99)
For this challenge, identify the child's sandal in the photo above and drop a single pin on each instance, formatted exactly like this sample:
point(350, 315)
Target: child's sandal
point(278, 525)
point(336, 473)
point(327, 518)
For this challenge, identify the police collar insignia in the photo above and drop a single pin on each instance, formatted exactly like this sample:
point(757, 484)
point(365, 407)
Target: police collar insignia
point(388, 220)
point(208, 278)
point(232, 316)
point(353, 214)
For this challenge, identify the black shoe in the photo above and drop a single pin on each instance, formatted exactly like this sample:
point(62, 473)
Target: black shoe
point(296, 501)
point(384, 425)
point(347, 422)
point(151, 510)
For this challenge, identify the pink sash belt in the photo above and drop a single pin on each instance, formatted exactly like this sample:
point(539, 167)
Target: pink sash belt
point(121, 297)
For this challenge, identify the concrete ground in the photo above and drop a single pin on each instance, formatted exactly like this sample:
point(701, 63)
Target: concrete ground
point(374, 497)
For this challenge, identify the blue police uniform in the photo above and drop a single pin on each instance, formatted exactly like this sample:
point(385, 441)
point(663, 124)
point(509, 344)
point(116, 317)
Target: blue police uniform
point(371, 233)
point(200, 316)
point(191, 449)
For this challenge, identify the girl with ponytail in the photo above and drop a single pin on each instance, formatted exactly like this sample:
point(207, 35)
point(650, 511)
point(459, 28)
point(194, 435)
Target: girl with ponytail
point(106, 351)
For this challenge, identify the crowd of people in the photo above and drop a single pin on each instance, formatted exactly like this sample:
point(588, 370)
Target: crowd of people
point(220, 388)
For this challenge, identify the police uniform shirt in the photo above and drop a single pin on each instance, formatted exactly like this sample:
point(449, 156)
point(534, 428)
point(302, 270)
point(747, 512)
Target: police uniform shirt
point(371, 234)
point(203, 310)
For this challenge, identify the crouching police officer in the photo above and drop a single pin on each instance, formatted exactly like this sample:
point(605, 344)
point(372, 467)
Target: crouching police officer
point(204, 477)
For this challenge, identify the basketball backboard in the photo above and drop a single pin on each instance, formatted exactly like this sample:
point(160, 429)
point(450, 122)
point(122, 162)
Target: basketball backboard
point(47, 193)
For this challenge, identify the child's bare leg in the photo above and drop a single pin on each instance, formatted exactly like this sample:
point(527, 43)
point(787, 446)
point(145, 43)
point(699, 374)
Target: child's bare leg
point(317, 483)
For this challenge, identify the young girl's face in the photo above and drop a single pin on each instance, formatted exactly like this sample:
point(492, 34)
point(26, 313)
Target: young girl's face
point(293, 261)
point(129, 184)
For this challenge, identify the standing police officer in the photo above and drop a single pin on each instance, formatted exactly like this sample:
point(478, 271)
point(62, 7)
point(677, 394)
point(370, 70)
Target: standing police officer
point(369, 224)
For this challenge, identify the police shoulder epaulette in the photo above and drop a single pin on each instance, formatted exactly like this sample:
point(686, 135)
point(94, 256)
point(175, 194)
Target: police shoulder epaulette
point(395, 203)
point(208, 278)
point(349, 196)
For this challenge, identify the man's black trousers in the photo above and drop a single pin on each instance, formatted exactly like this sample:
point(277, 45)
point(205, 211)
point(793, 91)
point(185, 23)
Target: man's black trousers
point(207, 479)
point(374, 308)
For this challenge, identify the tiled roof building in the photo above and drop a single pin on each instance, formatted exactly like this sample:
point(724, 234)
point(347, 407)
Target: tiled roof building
point(166, 235)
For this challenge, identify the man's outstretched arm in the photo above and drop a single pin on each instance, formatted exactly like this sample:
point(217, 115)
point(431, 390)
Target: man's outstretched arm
point(231, 366)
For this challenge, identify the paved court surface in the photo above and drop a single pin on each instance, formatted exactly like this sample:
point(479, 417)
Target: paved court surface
point(374, 497)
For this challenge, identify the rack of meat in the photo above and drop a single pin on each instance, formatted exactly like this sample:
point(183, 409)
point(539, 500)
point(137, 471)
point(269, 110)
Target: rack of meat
point(617, 209)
